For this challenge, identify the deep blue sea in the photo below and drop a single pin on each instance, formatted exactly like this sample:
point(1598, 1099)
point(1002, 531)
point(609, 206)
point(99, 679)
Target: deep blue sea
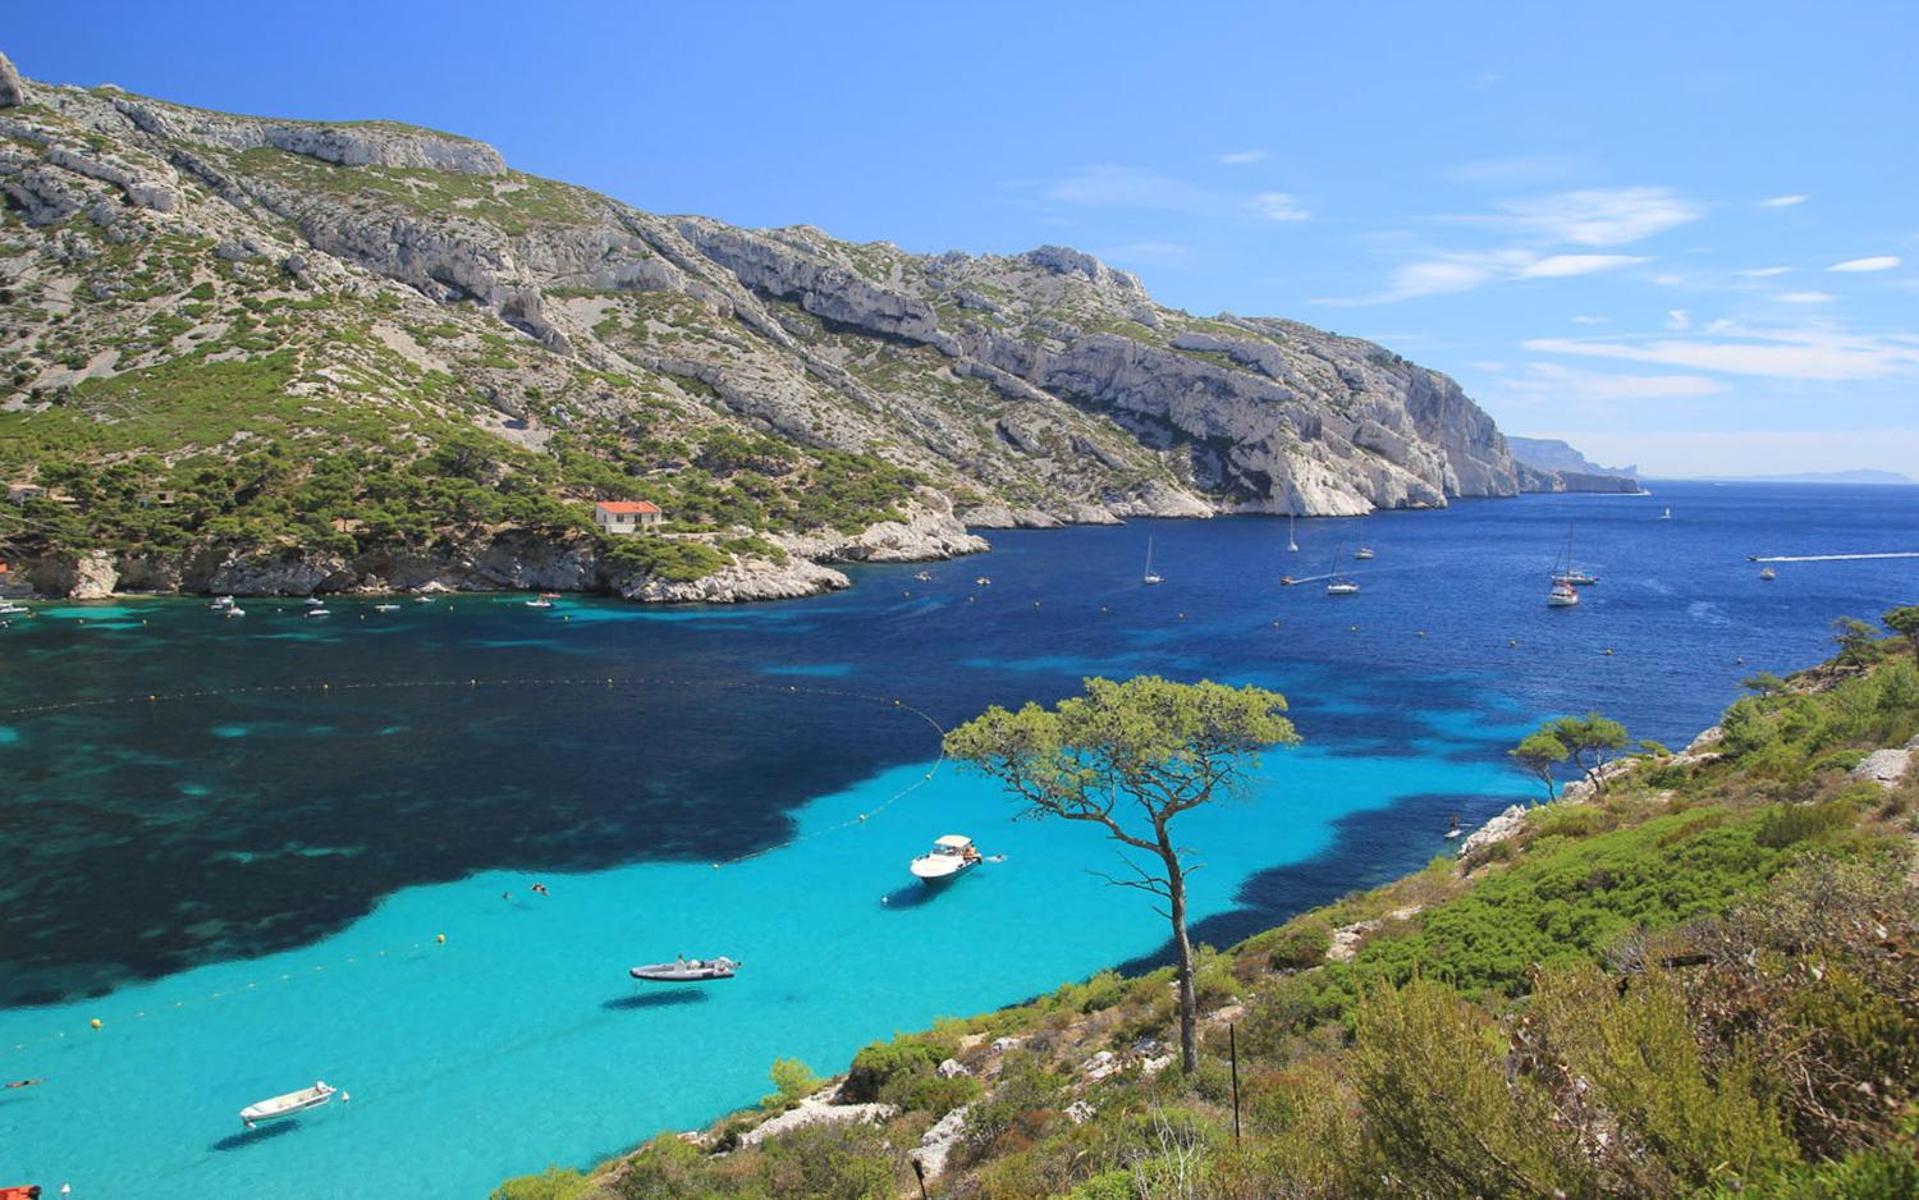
point(237, 844)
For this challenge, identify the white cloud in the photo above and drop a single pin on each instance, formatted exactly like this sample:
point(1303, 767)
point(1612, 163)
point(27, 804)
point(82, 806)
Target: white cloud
point(1878, 262)
point(1278, 206)
point(1561, 265)
point(1485, 80)
point(1519, 172)
point(1668, 279)
point(1765, 272)
point(1783, 201)
point(1126, 187)
point(1678, 320)
point(1147, 252)
point(1584, 319)
point(1240, 158)
point(1552, 381)
point(1803, 354)
point(1463, 272)
point(1596, 216)
point(1805, 297)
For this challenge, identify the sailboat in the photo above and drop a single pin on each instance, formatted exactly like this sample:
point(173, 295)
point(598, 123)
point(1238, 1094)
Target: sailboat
point(1563, 594)
point(1666, 515)
point(1151, 576)
point(1292, 543)
point(1365, 551)
point(1341, 585)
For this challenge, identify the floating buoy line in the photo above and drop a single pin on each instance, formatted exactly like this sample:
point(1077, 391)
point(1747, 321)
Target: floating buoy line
point(440, 939)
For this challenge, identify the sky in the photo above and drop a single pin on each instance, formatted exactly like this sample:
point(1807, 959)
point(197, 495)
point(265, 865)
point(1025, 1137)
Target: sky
point(1679, 235)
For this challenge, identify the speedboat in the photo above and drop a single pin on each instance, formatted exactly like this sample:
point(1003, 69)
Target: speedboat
point(1563, 595)
point(316, 612)
point(1363, 553)
point(387, 607)
point(1342, 587)
point(983, 581)
point(923, 576)
point(233, 610)
point(542, 602)
point(1287, 581)
point(289, 1104)
point(951, 856)
point(221, 602)
point(314, 602)
point(686, 970)
point(9, 609)
point(1768, 573)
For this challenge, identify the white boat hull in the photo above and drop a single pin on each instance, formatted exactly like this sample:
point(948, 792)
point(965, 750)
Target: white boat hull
point(288, 1105)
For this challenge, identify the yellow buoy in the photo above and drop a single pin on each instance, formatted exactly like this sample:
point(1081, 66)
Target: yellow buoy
point(94, 1024)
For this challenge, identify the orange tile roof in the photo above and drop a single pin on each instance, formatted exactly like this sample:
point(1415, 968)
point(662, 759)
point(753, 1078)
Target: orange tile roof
point(627, 506)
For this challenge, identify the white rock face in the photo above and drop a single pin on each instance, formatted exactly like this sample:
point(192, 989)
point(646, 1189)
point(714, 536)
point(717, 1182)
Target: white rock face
point(936, 1144)
point(754, 579)
point(952, 1068)
point(817, 1110)
point(1884, 767)
point(12, 91)
point(1507, 824)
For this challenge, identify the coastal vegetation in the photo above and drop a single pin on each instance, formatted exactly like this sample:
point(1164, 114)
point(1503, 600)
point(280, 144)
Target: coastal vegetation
point(1700, 981)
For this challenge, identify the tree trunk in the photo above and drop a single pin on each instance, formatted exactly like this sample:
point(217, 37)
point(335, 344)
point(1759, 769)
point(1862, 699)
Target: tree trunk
point(1183, 960)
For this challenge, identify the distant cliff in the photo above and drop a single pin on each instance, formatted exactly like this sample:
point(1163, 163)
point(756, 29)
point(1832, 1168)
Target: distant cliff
point(1551, 454)
point(249, 351)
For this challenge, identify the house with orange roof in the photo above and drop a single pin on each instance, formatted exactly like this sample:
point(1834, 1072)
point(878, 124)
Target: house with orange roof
point(627, 516)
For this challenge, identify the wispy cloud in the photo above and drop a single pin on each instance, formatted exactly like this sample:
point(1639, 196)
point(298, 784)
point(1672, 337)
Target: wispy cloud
point(1802, 354)
point(1110, 186)
point(1241, 158)
point(1678, 320)
point(1787, 201)
point(1878, 262)
point(1805, 297)
point(1598, 216)
point(1585, 319)
point(1556, 382)
point(1144, 252)
point(1463, 272)
point(1765, 272)
point(1278, 206)
point(1522, 171)
point(1485, 80)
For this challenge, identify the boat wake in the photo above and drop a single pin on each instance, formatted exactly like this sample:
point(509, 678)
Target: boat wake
point(1834, 557)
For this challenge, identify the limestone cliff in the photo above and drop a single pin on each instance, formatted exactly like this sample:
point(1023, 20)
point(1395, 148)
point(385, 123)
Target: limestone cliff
point(245, 339)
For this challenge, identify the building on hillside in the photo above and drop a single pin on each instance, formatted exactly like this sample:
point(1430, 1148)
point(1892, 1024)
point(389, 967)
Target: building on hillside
point(627, 516)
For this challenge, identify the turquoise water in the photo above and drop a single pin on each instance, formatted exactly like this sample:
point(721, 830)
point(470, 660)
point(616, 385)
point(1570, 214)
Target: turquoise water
point(243, 878)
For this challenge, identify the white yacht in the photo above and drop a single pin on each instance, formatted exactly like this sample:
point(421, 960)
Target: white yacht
point(1151, 576)
point(952, 856)
point(290, 1103)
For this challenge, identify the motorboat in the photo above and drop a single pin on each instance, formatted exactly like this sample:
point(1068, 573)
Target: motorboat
point(232, 611)
point(1287, 581)
point(983, 581)
point(549, 595)
point(952, 855)
point(290, 1104)
point(9, 609)
point(686, 970)
point(1363, 553)
point(1342, 587)
point(1563, 595)
point(1576, 578)
point(386, 607)
point(1768, 573)
point(422, 599)
point(314, 602)
point(923, 576)
point(542, 602)
point(316, 612)
point(221, 602)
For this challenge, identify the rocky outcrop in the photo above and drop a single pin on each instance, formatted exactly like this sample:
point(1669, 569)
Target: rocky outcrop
point(817, 1110)
point(1887, 768)
point(752, 579)
point(1506, 825)
point(13, 92)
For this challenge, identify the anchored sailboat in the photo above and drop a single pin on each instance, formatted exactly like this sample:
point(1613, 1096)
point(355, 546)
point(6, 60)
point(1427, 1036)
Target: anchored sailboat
point(1292, 543)
point(1365, 551)
point(1151, 576)
point(1563, 594)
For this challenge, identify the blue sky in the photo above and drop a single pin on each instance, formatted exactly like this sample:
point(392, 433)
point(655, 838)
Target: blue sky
point(1679, 234)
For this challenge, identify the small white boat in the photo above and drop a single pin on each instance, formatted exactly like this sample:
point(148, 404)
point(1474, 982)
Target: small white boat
point(686, 970)
point(1576, 578)
point(316, 612)
point(314, 602)
point(1666, 515)
point(923, 576)
point(289, 1104)
point(983, 581)
point(388, 607)
point(1363, 553)
point(1342, 587)
point(9, 609)
point(1151, 576)
point(542, 603)
point(221, 602)
point(952, 856)
point(1768, 573)
point(549, 595)
point(1292, 543)
point(233, 611)
point(422, 599)
point(1563, 595)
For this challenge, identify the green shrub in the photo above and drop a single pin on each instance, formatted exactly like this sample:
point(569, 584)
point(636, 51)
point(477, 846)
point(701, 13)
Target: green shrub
point(907, 1055)
point(550, 1184)
point(793, 1081)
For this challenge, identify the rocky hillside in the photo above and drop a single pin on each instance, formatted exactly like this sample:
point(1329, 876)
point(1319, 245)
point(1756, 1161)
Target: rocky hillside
point(251, 354)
